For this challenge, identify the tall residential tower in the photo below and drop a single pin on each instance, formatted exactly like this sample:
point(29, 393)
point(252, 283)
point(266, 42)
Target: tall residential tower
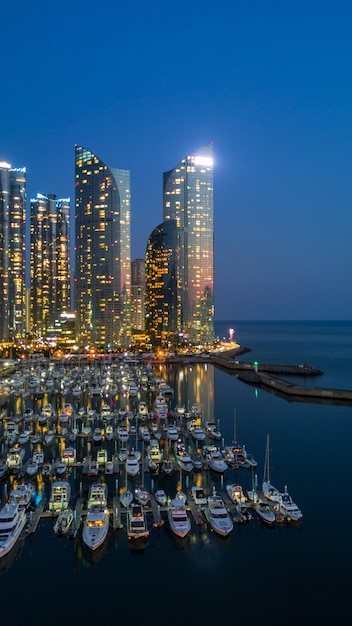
point(188, 199)
point(12, 252)
point(103, 252)
point(49, 266)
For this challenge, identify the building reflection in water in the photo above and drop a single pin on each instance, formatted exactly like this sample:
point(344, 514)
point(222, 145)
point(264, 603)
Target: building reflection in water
point(194, 384)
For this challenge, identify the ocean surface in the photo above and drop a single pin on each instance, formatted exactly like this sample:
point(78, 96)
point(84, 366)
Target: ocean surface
point(290, 575)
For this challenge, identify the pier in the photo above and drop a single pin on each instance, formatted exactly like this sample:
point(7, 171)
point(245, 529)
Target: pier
point(263, 375)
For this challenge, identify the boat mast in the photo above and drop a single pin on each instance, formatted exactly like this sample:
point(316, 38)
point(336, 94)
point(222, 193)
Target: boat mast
point(266, 461)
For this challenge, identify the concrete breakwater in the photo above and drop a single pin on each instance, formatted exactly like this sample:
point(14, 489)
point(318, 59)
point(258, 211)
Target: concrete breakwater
point(261, 376)
point(291, 390)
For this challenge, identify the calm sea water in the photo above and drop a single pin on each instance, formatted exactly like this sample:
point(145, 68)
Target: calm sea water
point(257, 576)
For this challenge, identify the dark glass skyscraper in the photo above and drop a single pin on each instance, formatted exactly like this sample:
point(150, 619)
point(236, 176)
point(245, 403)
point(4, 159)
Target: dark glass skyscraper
point(49, 265)
point(162, 289)
point(188, 199)
point(12, 252)
point(103, 252)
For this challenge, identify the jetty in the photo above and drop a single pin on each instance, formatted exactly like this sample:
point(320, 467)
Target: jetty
point(268, 376)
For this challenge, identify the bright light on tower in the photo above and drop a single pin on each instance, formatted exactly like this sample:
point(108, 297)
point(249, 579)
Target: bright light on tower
point(231, 333)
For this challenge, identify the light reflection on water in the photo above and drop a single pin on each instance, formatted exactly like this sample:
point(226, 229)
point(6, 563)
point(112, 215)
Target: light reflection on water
point(279, 564)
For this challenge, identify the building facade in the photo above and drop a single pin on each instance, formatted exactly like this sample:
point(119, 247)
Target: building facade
point(188, 199)
point(12, 252)
point(163, 304)
point(49, 265)
point(138, 294)
point(102, 281)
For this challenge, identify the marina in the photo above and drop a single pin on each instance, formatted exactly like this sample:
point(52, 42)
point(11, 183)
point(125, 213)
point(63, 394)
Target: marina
point(203, 564)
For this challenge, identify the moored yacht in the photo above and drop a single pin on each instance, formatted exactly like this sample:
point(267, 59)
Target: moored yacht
point(60, 496)
point(217, 515)
point(288, 507)
point(178, 519)
point(137, 523)
point(98, 494)
point(96, 526)
point(12, 522)
point(22, 495)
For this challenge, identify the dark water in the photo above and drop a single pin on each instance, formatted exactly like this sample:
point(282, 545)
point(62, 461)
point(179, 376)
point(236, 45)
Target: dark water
point(289, 575)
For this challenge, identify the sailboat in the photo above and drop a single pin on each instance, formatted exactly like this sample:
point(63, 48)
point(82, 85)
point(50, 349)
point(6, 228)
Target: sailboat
point(269, 491)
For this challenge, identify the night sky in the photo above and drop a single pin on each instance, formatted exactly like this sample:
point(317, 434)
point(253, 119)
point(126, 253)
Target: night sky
point(142, 84)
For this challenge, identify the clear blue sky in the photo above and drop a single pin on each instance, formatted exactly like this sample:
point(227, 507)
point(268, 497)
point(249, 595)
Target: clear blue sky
point(142, 84)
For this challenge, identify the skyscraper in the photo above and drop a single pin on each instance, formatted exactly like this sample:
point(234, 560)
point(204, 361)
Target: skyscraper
point(49, 265)
point(138, 294)
point(12, 252)
point(188, 199)
point(163, 312)
point(103, 252)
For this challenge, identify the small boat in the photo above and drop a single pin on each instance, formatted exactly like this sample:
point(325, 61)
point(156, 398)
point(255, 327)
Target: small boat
point(23, 438)
point(178, 519)
point(122, 434)
point(109, 468)
point(137, 523)
point(47, 469)
point(199, 496)
point(109, 433)
point(217, 515)
point(38, 456)
point(172, 433)
point(288, 507)
point(265, 513)
point(64, 522)
point(126, 498)
point(185, 462)
point(142, 496)
point(97, 436)
point(132, 465)
point(102, 458)
point(12, 521)
point(98, 494)
point(60, 496)
point(96, 526)
point(161, 497)
point(216, 462)
point(144, 433)
point(198, 434)
point(32, 467)
point(61, 469)
point(235, 493)
point(93, 468)
point(212, 431)
point(22, 495)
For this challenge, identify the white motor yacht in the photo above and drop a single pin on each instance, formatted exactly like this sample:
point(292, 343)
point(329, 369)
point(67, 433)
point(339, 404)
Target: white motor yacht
point(12, 522)
point(216, 462)
point(137, 523)
point(178, 519)
point(235, 493)
point(265, 513)
point(218, 516)
point(288, 507)
point(60, 496)
point(64, 522)
point(22, 495)
point(96, 526)
point(172, 433)
point(185, 462)
point(98, 494)
point(199, 496)
point(161, 497)
point(132, 465)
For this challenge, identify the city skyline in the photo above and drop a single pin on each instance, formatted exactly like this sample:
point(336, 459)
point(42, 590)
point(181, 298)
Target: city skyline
point(267, 83)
